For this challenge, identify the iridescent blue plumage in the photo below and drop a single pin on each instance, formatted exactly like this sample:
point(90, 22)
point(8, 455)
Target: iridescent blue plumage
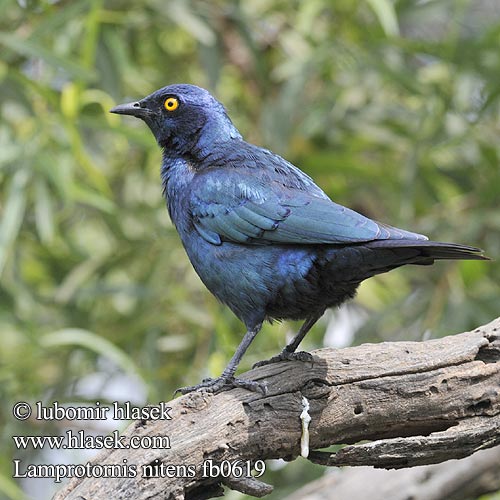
point(262, 236)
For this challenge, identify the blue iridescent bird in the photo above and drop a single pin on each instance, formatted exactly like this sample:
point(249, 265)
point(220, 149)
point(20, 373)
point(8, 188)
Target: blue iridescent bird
point(262, 236)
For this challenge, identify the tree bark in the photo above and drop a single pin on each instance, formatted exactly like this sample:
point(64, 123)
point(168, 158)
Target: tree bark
point(470, 477)
point(416, 402)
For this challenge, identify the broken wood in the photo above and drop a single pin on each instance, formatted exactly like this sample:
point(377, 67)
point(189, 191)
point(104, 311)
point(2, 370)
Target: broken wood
point(416, 402)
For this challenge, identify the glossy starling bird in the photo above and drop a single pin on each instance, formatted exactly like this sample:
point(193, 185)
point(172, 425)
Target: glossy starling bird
point(262, 236)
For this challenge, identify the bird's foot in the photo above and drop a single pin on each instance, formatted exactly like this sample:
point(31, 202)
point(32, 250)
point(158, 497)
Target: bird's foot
point(223, 383)
point(285, 355)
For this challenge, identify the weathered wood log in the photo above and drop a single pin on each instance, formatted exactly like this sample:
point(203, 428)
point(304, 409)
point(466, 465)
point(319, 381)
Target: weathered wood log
point(467, 478)
point(417, 402)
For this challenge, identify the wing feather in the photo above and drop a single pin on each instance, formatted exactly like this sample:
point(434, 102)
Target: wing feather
point(240, 206)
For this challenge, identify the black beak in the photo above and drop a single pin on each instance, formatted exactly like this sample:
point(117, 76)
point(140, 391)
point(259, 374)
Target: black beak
point(132, 108)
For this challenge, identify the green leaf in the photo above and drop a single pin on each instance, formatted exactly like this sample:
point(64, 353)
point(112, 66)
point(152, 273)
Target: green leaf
point(386, 14)
point(76, 278)
point(183, 16)
point(11, 489)
point(44, 213)
point(93, 199)
point(30, 48)
point(13, 214)
point(93, 342)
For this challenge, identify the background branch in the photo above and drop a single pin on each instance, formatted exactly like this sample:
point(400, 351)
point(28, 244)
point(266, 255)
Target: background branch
point(417, 402)
point(468, 478)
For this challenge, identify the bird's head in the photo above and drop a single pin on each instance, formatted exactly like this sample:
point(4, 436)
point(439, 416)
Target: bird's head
point(184, 119)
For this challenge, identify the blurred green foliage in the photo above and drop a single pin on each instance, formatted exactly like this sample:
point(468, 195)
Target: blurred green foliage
point(392, 106)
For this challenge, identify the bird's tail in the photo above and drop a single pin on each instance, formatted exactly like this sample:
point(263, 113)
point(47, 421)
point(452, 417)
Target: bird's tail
point(429, 251)
point(355, 263)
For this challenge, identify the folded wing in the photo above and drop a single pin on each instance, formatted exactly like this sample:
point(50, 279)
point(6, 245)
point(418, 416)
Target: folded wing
point(243, 209)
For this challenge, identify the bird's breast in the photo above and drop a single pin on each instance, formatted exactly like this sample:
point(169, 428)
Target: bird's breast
point(177, 176)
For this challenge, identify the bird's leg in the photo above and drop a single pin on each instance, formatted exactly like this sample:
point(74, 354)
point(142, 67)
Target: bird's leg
point(227, 380)
point(288, 353)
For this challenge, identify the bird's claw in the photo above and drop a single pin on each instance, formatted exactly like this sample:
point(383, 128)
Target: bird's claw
point(286, 356)
point(223, 383)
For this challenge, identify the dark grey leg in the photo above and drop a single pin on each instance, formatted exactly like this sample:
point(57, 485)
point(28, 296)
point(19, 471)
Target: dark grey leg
point(227, 380)
point(288, 353)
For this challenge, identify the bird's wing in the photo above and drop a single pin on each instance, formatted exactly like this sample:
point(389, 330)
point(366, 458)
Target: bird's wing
point(244, 209)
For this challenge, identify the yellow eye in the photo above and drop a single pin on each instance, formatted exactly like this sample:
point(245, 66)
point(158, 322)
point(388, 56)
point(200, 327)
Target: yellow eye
point(171, 104)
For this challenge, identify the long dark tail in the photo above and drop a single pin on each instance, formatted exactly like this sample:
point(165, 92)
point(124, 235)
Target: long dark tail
point(429, 251)
point(355, 263)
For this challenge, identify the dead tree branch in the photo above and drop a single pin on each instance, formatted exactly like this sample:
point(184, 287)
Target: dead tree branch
point(470, 477)
point(416, 402)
